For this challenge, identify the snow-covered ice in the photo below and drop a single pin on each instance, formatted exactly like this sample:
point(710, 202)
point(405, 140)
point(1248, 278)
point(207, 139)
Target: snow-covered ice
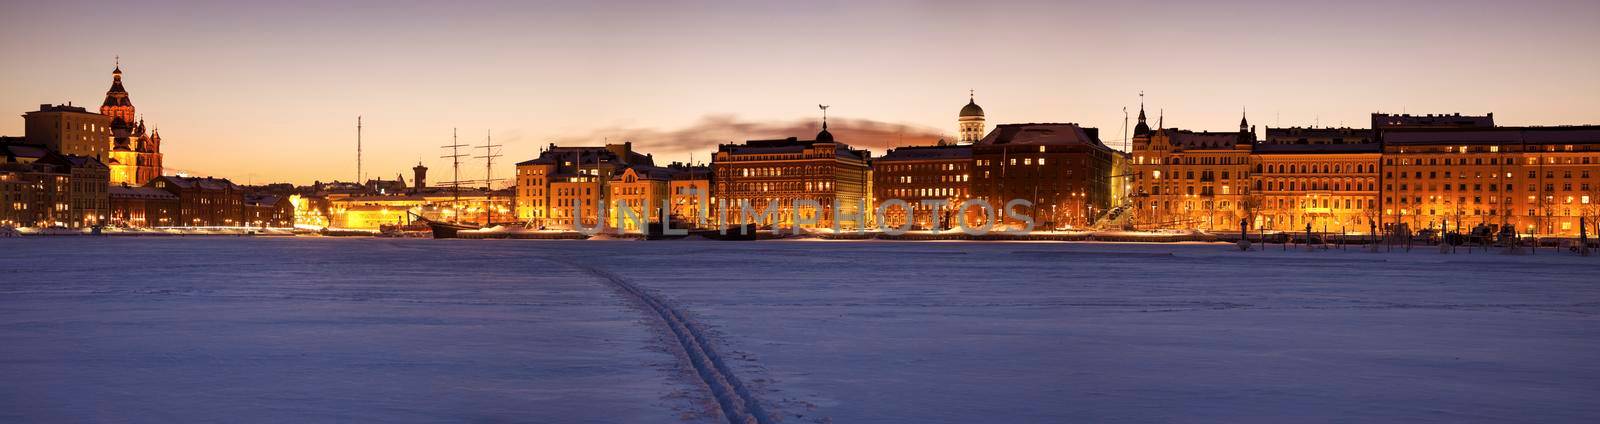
point(409, 330)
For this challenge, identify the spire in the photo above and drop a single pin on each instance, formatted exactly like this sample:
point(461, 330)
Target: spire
point(1161, 119)
point(1141, 107)
point(1142, 128)
point(1244, 121)
point(117, 104)
point(824, 136)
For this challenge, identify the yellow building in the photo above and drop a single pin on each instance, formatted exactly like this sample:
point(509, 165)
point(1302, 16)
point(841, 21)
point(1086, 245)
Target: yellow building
point(636, 196)
point(1193, 180)
point(369, 212)
point(1533, 179)
point(547, 186)
point(69, 130)
point(691, 195)
point(1325, 177)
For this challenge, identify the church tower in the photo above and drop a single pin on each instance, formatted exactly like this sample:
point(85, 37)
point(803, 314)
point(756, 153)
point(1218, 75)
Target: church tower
point(117, 105)
point(1144, 127)
point(970, 123)
point(135, 155)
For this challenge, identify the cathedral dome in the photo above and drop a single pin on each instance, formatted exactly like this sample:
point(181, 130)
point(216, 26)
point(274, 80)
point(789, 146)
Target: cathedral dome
point(971, 109)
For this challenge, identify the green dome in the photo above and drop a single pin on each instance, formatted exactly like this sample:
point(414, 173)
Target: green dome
point(971, 109)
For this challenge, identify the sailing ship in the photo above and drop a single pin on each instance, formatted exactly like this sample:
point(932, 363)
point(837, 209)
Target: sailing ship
point(443, 229)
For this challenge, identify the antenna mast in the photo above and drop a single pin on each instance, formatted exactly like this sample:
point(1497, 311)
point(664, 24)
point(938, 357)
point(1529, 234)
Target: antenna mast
point(358, 150)
point(489, 153)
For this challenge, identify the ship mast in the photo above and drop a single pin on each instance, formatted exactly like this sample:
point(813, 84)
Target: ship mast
point(489, 153)
point(455, 168)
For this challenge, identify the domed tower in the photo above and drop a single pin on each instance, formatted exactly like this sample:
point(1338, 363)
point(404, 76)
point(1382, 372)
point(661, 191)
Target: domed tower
point(117, 104)
point(970, 122)
point(824, 136)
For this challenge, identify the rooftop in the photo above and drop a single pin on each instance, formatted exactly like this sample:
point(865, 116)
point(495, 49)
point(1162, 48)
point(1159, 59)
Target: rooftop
point(145, 193)
point(1042, 134)
point(1576, 134)
point(911, 153)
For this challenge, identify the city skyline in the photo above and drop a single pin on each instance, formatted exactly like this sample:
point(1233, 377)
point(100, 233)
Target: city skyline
point(679, 78)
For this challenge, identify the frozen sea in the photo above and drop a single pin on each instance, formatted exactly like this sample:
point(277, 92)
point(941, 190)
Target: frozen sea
point(221, 329)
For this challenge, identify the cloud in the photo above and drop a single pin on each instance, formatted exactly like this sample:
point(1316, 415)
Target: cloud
point(703, 136)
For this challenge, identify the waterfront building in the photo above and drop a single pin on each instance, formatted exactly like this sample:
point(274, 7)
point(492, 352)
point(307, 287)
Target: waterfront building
point(372, 211)
point(638, 192)
point(41, 188)
point(918, 174)
point(1189, 179)
point(145, 207)
point(776, 173)
point(268, 211)
point(1062, 168)
point(548, 186)
point(1528, 179)
point(204, 201)
point(691, 195)
point(1323, 177)
point(89, 196)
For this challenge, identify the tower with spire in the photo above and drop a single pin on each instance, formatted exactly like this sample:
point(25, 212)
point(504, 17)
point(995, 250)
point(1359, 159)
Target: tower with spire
point(135, 155)
point(1247, 135)
point(117, 104)
point(824, 135)
point(1143, 128)
point(970, 123)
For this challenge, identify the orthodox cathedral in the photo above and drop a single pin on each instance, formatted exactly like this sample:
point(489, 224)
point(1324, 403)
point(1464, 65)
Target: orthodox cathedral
point(135, 156)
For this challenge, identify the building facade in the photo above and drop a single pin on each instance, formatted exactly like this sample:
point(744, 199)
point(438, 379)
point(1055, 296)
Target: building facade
point(691, 194)
point(204, 202)
point(144, 207)
point(268, 211)
point(1539, 180)
point(1325, 178)
point(69, 130)
point(90, 191)
point(918, 174)
point(1063, 169)
point(1188, 179)
point(762, 174)
point(547, 187)
point(41, 188)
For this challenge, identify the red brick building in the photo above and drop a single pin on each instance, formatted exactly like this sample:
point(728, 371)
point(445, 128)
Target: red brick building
point(205, 202)
point(1064, 169)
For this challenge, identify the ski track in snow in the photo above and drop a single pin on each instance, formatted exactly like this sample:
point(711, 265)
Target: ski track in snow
point(738, 404)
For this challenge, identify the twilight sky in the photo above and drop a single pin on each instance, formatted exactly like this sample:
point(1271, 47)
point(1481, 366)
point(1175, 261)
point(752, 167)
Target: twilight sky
point(269, 91)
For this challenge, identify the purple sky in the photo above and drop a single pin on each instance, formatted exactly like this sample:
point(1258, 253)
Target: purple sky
point(269, 91)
